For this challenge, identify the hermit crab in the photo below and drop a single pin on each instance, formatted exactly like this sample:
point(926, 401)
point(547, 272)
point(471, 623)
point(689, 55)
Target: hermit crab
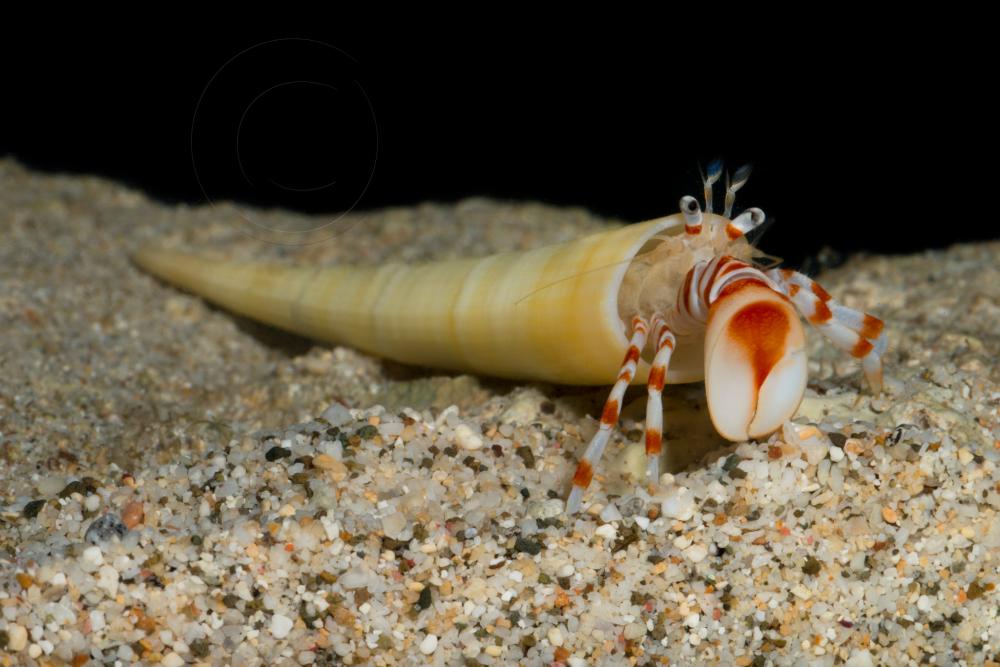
point(683, 298)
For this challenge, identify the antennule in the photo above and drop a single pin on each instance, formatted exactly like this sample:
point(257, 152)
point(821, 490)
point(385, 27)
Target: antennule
point(739, 179)
point(709, 179)
point(692, 214)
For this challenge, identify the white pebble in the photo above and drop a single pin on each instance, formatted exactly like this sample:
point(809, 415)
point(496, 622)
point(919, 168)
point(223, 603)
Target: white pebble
point(574, 661)
point(281, 626)
point(642, 522)
point(107, 580)
point(836, 454)
point(92, 502)
point(607, 531)
point(815, 450)
point(860, 658)
point(965, 456)
point(172, 660)
point(610, 513)
point(34, 651)
point(337, 414)
point(679, 504)
point(91, 559)
point(467, 438)
point(924, 603)
point(97, 622)
point(429, 644)
point(17, 637)
point(555, 636)
point(634, 631)
point(801, 591)
point(691, 620)
point(696, 553)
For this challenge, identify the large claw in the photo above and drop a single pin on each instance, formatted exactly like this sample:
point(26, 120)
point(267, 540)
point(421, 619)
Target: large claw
point(755, 362)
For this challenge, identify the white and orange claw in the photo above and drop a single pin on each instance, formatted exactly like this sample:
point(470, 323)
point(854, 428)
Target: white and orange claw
point(755, 361)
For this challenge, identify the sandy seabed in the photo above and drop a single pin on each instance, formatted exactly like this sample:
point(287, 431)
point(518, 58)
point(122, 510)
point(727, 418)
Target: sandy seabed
point(181, 486)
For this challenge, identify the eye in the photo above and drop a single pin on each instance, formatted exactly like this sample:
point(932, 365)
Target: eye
point(690, 205)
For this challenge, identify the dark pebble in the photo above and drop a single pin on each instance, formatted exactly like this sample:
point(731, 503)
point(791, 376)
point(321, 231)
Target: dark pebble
point(367, 432)
point(200, 648)
point(32, 509)
point(424, 600)
point(276, 453)
point(84, 487)
point(528, 546)
point(812, 566)
point(527, 456)
point(105, 527)
point(838, 439)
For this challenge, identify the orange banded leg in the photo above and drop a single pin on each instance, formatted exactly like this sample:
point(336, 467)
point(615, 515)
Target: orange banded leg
point(663, 342)
point(857, 333)
point(609, 416)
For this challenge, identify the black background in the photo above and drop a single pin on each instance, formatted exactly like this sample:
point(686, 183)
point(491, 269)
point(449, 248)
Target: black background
point(860, 140)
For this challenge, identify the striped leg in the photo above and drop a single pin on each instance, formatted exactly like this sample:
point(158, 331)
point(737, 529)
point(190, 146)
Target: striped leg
point(664, 341)
point(850, 330)
point(609, 416)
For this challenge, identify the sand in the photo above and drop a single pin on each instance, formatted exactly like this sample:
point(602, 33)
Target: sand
point(179, 485)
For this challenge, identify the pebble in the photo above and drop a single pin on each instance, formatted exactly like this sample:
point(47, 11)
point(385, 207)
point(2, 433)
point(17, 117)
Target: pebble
point(965, 456)
point(468, 439)
point(336, 468)
point(393, 525)
point(889, 515)
point(17, 637)
point(280, 626)
point(105, 528)
point(133, 515)
point(607, 531)
point(107, 580)
point(860, 658)
point(337, 415)
point(679, 504)
point(91, 559)
point(172, 660)
point(429, 644)
point(801, 591)
point(696, 553)
point(836, 454)
point(555, 636)
point(610, 513)
point(924, 604)
point(634, 631)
